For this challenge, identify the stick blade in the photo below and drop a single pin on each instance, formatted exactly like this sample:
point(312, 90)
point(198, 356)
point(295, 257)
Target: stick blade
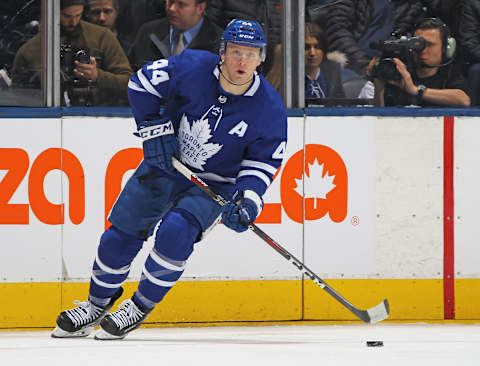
point(379, 312)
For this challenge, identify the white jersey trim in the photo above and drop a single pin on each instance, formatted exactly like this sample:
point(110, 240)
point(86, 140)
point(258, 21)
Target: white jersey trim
point(146, 84)
point(255, 173)
point(134, 86)
point(258, 164)
point(253, 89)
point(216, 72)
point(255, 198)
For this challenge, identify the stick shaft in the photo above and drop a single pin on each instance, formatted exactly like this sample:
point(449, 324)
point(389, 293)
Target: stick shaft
point(368, 316)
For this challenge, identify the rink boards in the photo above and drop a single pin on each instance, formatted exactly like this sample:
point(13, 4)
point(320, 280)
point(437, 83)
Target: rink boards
point(360, 199)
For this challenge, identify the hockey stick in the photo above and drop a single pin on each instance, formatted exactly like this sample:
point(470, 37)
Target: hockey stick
point(372, 315)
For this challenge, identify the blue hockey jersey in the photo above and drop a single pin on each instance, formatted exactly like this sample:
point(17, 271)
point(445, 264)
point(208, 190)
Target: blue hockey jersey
point(236, 141)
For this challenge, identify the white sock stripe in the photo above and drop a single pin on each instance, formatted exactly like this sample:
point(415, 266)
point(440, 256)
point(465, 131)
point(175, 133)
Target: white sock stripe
point(259, 165)
point(255, 173)
point(156, 281)
point(104, 284)
point(109, 270)
point(145, 300)
point(146, 84)
point(162, 262)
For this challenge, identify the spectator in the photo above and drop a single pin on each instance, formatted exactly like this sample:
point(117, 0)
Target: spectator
point(469, 40)
point(184, 27)
point(447, 10)
point(322, 75)
point(353, 24)
point(135, 13)
point(435, 81)
point(267, 12)
point(105, 13)
point(100, 79)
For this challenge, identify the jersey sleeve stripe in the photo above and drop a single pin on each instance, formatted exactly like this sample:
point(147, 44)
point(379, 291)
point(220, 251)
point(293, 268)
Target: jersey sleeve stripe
point(134, 86)
point(255, 198)
point(146, 84)
point(259, 165)
point(255, 173)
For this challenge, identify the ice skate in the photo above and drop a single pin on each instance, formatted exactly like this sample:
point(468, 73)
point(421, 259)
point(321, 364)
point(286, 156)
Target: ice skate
point(118, 324)
point(80, 321)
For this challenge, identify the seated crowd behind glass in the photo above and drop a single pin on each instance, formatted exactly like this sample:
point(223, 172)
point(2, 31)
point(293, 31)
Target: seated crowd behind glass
point(145, 30)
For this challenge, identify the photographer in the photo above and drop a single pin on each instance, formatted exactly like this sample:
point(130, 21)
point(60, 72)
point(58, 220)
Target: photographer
point(94, 68)
point(431, 80)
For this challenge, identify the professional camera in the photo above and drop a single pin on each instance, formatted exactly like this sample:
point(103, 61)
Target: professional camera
point(79, 90)
point(68, 56)
point(401, 48)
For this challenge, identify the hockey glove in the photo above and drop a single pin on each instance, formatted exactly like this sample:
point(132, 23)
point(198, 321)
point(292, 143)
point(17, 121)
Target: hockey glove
point(159, 143)
point(237, 216)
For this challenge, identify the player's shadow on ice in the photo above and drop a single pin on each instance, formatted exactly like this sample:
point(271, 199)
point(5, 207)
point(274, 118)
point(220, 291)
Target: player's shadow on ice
point(212, 341)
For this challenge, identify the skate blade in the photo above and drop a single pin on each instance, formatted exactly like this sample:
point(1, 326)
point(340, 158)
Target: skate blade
point(102, 335)
point(60, 333)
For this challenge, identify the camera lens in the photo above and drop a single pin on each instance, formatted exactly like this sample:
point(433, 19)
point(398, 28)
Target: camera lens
point(82, 57)
point(386, 69)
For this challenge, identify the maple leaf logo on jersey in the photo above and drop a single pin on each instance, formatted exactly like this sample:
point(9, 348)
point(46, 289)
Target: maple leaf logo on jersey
point(195, 149)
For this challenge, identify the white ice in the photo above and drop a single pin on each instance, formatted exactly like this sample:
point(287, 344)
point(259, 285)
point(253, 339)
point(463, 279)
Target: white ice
point(280, 345)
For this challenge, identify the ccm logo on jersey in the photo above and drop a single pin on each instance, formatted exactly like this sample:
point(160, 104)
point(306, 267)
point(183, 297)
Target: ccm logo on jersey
point(151, 132)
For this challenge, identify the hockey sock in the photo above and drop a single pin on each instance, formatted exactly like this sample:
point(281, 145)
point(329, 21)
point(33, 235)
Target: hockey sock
point(112, 264)
point(166, 262)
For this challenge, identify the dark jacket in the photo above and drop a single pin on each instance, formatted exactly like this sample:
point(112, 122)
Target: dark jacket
point(468, 33)
point(332, 72)
point(266, 12)
point(153, 41)
point(114, 70)
point(448, 11)
point(349, 20)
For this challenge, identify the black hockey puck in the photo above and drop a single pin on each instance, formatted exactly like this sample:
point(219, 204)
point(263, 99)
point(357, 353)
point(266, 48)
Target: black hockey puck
point(374, 343)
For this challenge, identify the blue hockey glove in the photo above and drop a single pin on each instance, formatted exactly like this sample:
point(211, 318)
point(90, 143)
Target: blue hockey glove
point(237, 216)
point(159, 143)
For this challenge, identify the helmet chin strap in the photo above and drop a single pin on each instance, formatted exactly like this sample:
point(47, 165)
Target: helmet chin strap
point(231, 82)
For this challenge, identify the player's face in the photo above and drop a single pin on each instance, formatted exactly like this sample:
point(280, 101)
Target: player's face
point(313, 53)
point(240, 62)
point(432, 54)
point(184, 14)
point(103, 13)
point(70, 17)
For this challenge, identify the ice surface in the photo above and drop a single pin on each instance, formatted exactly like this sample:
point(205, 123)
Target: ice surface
point(281, 345)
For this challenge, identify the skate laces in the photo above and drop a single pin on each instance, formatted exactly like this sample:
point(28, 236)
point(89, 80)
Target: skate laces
point(84, 313)
point(127, 314)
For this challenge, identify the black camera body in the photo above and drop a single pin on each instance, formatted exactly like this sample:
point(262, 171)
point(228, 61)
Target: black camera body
point(68, 56)
point(80, 91)
point(401, 48)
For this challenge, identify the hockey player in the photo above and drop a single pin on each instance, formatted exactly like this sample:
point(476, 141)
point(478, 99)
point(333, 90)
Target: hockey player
point(226, 123)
